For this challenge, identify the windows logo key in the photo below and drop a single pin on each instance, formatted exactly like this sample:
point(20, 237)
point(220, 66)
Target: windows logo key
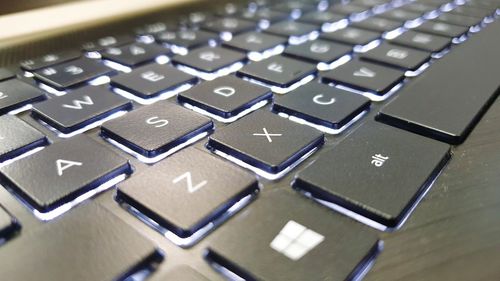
point(295, 240)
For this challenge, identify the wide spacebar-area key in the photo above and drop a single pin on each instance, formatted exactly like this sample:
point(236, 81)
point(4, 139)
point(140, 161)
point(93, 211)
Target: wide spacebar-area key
point(448, 99)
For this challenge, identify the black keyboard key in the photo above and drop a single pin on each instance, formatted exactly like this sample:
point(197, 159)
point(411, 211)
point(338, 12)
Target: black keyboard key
point(378, 24)
point(88, 244)
point(156, 129)
point(422, 41)
point(80, 108)
point(400, 15)
point(180, 272)
point(318, 51)
point(472, 11)
point(107, 42)
point(320, 18)
point(49, 59)
point(154, 28)
point(255, 42)
point(352, 36)
point(348, 9)
point(6, 74)
point(324, 106)
point(134, 54)
point(71, 73)
point(366, 176)
point(278, 71)
point(227, 97)
point(292, 29)
point(264, 15)
point(396, 56)
point(295, 8)
point(15, 94)
point(420, 8)
point(267, 142)
point(284, 237)
point(152, 80)
point(206, 61)
point(364, 76)
point(442, 29)
point(229, 25)
point(17, 137)
point(448, 112)
point(8, 225)
point(62, 172)
point(185, 192)
point(458, 19)
point(185, 39)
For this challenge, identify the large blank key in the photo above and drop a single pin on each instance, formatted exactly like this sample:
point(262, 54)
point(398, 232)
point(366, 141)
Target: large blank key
point(439, 105)
point(87, 245)
point(62, 172)
point(284, 237)
point(266, 143)
point(378, 172)
point(186, 193)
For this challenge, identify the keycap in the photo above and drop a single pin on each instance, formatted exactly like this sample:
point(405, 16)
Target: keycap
point(264, 14)
point(458, 19)
point(421, 8)
point(80, 108)
point(134, 54)
point(322, 105)
point(229, 24)
point(92, 244)
point(6, 74)
point(180, 272)
point(278, 70)
point(422, 41)
point(472, 11)
point(377, 24)
point(396, 56)
point(370, 3)
point(156, 129)
point(284, 237)
point(347, 9)
point(226, 97)
point(71, 73)
point(266, 141)
point(443, 29)
point(107, 42)
point(364, 76)
point(291, 7)
point(321, 17)
point(17, 137)
point(186, 38)
point(61, 172)
point(15, 94)
point(156, 27)
point(185, 192)
point(209, 59)
point(291, 28)
point(8, 225)
point(254, 42)
point(318, 51)
point(400, 15)
point(49, 59)
point(448, 112)
point(379, 172)
point(152, 80)
point(352, 36)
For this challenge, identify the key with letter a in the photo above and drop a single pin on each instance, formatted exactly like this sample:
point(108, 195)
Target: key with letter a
point(62, 172)
point(80, 108)
point(378, 172)
point(186, 191)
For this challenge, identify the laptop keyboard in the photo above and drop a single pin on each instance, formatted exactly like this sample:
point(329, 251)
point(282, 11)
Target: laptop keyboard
point(280, 138)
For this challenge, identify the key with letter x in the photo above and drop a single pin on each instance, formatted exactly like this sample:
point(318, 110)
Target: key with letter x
point(50, 180)
point(185, 193)
point(266, 143)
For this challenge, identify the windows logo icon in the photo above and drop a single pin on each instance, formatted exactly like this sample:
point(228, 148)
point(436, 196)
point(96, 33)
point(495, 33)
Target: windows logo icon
point(295, 240)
